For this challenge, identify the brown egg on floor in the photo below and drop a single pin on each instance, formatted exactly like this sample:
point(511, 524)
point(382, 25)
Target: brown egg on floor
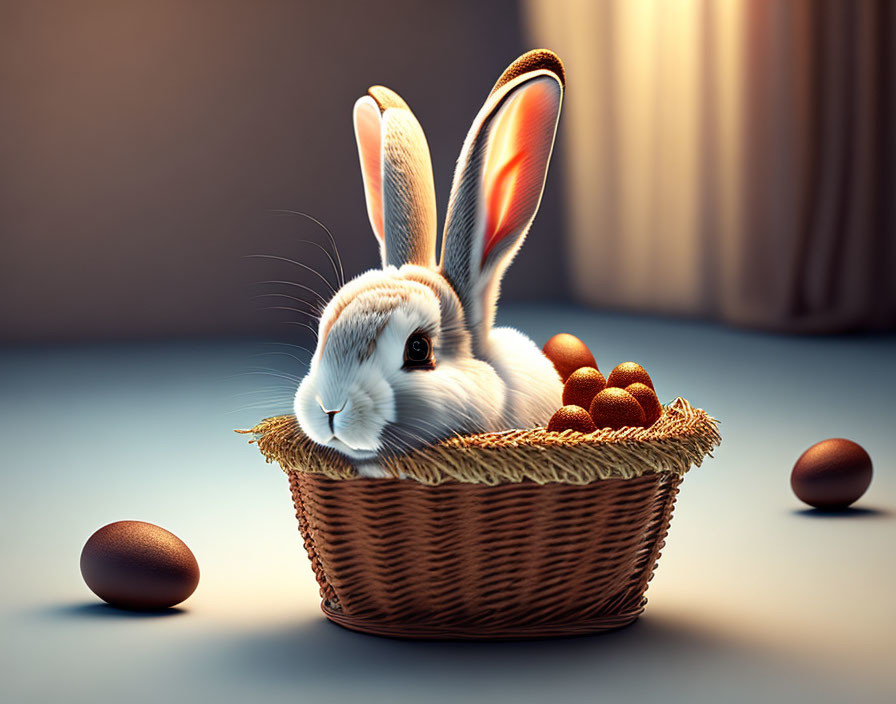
point(629, 373)
point(646, 396)
point(138, 565)
point(616, 408)
point(582, 386)
point(571, 418)
point(832, 474)
point(568, 353)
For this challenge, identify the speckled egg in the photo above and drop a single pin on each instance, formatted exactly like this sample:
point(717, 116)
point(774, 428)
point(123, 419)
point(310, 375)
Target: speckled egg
point(629, 373)
point(571, 418)
point(616, 408)
point(138, 565)
point(582, 386)
point(832, 474)
point(646, 396)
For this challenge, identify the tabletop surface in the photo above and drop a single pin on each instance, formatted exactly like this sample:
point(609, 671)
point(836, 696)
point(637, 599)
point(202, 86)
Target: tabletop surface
point(755, 598)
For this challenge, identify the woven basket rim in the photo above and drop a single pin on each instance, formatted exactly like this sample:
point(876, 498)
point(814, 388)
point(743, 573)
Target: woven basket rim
point(683, 437)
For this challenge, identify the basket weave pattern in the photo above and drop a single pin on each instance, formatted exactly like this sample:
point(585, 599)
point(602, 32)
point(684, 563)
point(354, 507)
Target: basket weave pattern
point(505, 535)
point(395, 558)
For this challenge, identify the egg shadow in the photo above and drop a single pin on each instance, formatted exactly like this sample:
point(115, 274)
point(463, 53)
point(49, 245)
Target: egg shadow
point(101, 610)
point(843, 513)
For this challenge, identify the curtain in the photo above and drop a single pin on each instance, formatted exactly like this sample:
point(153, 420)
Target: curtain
point(732, 159)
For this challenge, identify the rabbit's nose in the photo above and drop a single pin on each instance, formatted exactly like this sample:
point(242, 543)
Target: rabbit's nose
point(331, 414)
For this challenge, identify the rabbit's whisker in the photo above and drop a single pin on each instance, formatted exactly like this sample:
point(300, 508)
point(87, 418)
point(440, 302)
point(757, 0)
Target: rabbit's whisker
point(304, 325)
point(297, 299)
point(284, 354)
point(329, 256)
point(394, 436)
point(393, 445)
point(297, 285)
point(292, 377)
point(473, 424)
point(293, 261)
point(291, 344)
point(325, 229)
point(285, 377)
point(281, 393)
point(273, 400)
point(267, 404)
point(295, 310)
point(273, 410)
point(438, 432)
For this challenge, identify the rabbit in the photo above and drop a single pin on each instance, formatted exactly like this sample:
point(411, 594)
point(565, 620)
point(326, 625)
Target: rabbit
point(407, 354)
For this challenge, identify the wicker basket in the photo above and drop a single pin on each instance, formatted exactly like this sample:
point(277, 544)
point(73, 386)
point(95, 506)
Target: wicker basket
point(502, 535)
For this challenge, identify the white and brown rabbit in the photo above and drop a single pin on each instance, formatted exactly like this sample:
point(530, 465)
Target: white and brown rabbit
point(407, 355)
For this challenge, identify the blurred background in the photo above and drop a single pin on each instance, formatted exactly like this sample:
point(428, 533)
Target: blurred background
point(726, 160)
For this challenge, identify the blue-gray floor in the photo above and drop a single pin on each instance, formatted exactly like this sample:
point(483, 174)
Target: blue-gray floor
point(754, 599)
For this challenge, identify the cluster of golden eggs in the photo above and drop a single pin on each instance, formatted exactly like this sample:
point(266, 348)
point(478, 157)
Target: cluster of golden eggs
point(626, 398)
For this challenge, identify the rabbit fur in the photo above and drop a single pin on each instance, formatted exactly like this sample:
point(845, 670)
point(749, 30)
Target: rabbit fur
point(362, 396)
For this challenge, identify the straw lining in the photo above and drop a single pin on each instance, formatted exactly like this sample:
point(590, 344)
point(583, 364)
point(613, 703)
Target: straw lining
point(681, 438)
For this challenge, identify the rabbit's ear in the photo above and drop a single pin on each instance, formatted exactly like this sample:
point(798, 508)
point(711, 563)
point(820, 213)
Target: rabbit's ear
point(397, 173)
point(498, 184)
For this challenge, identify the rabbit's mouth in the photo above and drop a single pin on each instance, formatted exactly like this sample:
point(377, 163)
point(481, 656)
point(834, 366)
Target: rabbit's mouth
point(352, 452)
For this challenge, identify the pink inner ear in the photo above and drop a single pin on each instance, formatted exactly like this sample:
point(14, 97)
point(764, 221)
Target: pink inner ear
point(369, 136)
point(519, 147)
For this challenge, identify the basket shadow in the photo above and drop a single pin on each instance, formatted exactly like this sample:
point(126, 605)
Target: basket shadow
point(319, 653)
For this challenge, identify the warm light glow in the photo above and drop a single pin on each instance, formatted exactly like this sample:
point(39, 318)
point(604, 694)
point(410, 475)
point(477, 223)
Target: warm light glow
point(653, 133)
point(502, 170)
point(521, 137)
point(368, 130)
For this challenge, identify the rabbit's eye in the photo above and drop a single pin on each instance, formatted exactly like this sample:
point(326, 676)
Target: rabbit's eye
point(418, 352)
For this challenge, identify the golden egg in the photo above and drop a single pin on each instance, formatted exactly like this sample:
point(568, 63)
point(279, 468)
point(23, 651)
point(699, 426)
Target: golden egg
point(568, 353)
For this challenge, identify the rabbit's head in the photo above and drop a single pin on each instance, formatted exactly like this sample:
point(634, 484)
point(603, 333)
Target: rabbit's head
point(403, 355)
